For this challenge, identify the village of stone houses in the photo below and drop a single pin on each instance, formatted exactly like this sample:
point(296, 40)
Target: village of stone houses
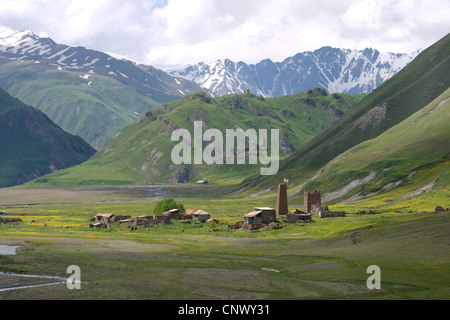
point(214, 248)
point(260, 218)
point(265, 218)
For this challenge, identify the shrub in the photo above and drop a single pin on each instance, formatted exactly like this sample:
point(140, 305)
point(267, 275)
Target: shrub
point(166, 205)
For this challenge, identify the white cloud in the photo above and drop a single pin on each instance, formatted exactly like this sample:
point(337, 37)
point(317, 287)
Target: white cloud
point(396, 25)
point(5, 31)
point(178, 32)
point(365, 14)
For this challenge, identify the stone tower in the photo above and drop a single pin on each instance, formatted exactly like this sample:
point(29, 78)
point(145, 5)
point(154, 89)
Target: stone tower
point(282, 201)
point(311, 199)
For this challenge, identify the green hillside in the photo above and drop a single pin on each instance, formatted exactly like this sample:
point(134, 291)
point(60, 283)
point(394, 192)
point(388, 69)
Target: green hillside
point(94, 107)
point(412, 156)
point(141, 152)
point(32, 145)
point(414, 87)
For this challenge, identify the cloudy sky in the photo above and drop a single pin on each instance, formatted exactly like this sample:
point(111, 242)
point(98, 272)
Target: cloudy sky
point(173, 33)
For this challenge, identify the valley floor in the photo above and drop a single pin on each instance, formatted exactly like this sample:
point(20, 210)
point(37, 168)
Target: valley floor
point(327, 259)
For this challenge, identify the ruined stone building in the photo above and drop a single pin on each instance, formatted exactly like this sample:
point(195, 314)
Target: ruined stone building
point(324, 212)
point(108, 217)
point(6, 220)
point(173, 214)
point(311, 199)
point(155, 220)
point(298, 216)
point(331, 214)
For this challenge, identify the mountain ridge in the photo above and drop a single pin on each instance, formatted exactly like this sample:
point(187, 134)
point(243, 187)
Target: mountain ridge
point(141, 152)
point(336, 70)
point(33, 145)
point(26, 45)
point(410, 90)
point(79, 88)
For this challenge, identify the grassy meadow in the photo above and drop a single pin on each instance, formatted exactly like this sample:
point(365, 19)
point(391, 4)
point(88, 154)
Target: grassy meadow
point(326, 259)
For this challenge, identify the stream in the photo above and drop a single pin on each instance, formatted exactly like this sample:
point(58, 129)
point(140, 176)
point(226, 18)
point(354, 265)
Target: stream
point(11, 250)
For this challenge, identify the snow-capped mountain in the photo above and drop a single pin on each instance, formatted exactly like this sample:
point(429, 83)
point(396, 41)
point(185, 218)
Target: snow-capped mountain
point(336, 70)
point(162, 87)
point(86, 92)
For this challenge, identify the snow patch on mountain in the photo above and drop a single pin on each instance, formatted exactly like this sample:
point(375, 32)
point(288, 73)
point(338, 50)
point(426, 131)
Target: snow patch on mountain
point(27, 46)
point(336, 70)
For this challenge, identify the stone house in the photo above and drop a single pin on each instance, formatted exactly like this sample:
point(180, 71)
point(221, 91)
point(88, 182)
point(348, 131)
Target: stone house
point(201, 215)
point(253, 217)
point(173, 214)
point(104, 218)
point(155, 220)
point(108, 218)
point(324, 212)
point(189, 214)
point(262, 215)
point(268, 214)
point(121, 217)
point(142, 220)
point(298, 216)
point(317, 209)
point(161, 219)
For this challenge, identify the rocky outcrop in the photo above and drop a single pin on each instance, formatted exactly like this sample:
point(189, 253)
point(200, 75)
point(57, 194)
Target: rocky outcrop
point(181, 176)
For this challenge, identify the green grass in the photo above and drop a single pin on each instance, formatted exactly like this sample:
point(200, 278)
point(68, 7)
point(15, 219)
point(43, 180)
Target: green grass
point(410, 90)
point(324, 260)
point(141, 152)
point(94, 108)
point(411, 155)
point(32, 144)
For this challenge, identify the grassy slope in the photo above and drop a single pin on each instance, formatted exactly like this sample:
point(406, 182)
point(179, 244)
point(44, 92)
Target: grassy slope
point(410, 155)
point(140, 153)
point(324, 260)
point(31, 144)
point(95, 112)
point(419, 83)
